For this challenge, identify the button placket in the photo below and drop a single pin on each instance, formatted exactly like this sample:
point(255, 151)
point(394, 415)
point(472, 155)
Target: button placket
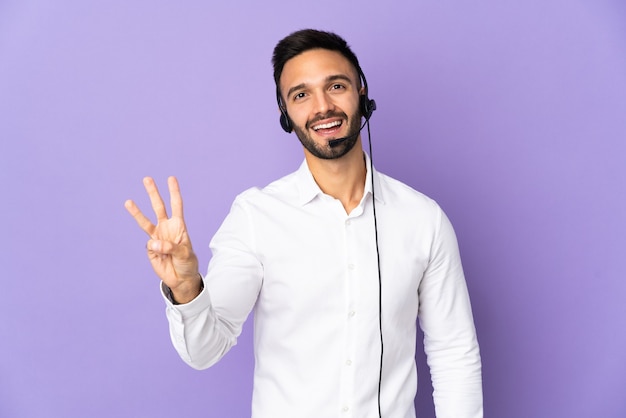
point(351, 301)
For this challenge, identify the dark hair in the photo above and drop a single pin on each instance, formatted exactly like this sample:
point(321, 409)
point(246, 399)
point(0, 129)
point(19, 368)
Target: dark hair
point(305, 40)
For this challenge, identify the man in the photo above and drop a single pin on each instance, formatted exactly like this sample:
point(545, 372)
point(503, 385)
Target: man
point(337, 261)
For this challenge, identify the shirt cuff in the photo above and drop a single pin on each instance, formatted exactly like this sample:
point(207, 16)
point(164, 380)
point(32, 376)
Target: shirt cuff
point(166, 292)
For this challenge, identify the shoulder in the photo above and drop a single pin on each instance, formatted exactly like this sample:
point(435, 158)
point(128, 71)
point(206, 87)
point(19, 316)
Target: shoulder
point(414, 209)
point(395, 192)
point(282, 189)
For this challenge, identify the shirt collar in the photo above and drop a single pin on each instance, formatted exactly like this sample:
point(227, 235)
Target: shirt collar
point(308, 188)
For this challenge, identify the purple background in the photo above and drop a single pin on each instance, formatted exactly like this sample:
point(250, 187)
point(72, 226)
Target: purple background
point(511, 114)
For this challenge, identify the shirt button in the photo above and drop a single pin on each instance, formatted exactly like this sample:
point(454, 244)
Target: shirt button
point(348, 222)
point(345, 409)
point(351, 266)
point(348, 362)
point(351, 314)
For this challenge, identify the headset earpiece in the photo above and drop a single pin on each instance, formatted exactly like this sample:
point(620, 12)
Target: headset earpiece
point(366, 106)
point(285, 122)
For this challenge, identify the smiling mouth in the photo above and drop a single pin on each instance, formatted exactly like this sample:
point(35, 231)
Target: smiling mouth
point(329, 125)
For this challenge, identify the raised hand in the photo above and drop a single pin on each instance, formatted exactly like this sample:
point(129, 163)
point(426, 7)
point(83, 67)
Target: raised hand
point(169, 247)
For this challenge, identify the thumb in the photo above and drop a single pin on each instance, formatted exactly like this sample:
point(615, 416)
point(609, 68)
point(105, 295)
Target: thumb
point(163, 247)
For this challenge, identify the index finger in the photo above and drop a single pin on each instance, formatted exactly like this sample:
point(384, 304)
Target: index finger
point(143, 222)
point(176, 200)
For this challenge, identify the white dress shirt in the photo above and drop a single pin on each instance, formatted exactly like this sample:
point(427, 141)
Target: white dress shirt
point(310, 272)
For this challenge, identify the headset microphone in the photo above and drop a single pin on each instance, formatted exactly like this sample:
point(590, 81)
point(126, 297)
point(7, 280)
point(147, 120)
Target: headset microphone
point(366, 107)
point(335, 142)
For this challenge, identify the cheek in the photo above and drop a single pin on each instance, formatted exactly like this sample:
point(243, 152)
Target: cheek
point(298, 116)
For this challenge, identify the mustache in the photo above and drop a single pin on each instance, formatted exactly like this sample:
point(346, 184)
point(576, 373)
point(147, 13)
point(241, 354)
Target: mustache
point(326, 116)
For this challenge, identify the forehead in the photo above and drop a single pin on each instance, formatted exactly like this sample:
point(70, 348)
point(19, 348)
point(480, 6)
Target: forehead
point(314, 66)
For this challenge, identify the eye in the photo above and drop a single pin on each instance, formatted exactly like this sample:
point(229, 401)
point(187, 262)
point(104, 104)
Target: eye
point(299, 96)
point(337, 87)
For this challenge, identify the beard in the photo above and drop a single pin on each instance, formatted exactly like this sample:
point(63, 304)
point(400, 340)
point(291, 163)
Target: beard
point(325, 151)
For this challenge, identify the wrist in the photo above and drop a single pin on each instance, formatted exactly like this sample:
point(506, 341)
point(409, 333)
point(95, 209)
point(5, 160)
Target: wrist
point(185, 294)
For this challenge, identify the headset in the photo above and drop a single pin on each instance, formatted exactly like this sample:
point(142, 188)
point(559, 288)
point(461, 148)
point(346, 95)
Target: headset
point(366, 107)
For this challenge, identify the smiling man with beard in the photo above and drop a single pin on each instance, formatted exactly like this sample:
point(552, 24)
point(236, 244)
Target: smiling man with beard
point(338, 261)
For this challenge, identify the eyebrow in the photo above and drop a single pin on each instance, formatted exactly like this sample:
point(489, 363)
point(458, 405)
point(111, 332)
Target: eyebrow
point(328, 79)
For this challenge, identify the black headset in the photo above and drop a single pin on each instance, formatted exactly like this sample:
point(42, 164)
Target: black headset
point(366, 105)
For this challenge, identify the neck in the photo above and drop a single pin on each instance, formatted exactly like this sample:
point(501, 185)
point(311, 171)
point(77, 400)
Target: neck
point(343, 178)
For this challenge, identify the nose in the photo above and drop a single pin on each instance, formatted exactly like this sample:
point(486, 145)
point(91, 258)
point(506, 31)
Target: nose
point(323, 103)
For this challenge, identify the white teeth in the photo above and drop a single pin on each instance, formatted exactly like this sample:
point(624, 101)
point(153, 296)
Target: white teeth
point(327, 125)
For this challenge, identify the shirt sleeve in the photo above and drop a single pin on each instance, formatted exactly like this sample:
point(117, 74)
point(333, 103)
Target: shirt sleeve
point(450, 342)
point(203, 330)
